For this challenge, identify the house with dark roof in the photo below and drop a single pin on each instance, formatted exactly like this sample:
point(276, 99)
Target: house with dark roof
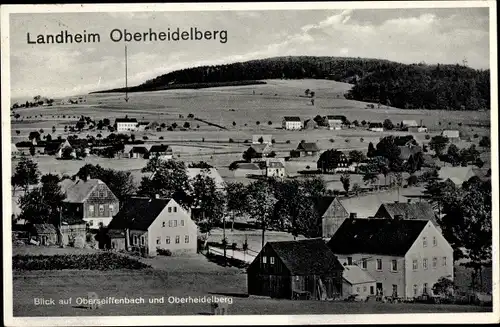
point(409, 210)
point(275, 169)
point(245, 169)
point(308, 148)
point(376, 127)
point(161, 151)
point(90, 200)
point(56, 148)
point(292, 123)
point(304, 269)
point(151, 225)
point(259, 150)
point(408, 150)
point(138, 152)
point(405, 257)
point(331, 212)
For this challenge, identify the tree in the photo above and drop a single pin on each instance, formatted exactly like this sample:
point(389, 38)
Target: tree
point(329, 160)
point(370, 178)
point(444, 286)
point(26, 173)
point(53, 129)
point(236, 199)
point(453, 155)
point(32, 150)
point(249, 154)
point(355, 123)
point(356, 156)
point(174, 125)
point(307, 92)
point(269, 123)
point(18, 132)
point(163, 125)
point(312, 94)
point(438, 144)
point(17, 116)
point(234, 123)
point(187, 125)
point(319, 120)
point(388, 125)
point(260, 204)
point(345, 179)
point(414, 163)
point(257, 122)
point(34, 136)
point(48, 138)
point(485, 142)
point(371, 151)
point(356, 189)
point(363, 122)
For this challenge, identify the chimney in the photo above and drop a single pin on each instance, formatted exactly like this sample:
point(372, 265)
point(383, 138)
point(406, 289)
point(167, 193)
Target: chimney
point(157, 196)
point(409, 200)
point(353, 215)
point(398, 217)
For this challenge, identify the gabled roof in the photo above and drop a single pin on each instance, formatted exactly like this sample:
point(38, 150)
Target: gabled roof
point(126, 120)
point(376, 236)
point(260, 148)
point(457, 175)
point(275, 164)
point(160, 148)
point(78, 191)
point(294, 118)
point(53, 146)
point(306, 257)
point(138, 213)
point(44, 229)
point(139, 149)
point(210, 172)
point(355, 275)
point(308, 146)
point(322, 203)
point(412, 211)
point(248, 165)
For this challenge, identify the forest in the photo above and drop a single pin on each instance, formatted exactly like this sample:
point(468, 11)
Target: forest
point(406, 86)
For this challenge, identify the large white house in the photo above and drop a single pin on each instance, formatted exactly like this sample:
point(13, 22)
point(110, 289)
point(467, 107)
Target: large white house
point(292, 123)
point(405, 257)
point(126, 124)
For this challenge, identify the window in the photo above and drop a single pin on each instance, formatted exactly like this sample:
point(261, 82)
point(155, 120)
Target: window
point(349, 260)
point(177, 239)
point(182, 222)
point(372, 290)
point(394, 290)
point(394, 265)
point(175, 209)
point(297, 278)
point(434, 262)
point(415, 290)
point(170, 223)
point(434, 241)
point(167, 240)
point(444, 261)
point(101, 209)
point(158, 241)
point(424, 263)
point(264, 259)
point(271, 260)
point(142, 240)
point(110, 208)
point(186, 239)
point(169, 209)
point(364, 289)
point(415, 264)
point(424, 290)
point(135, 240)
point(363, 263)
point(357, 290)
point(175, 223)
point(424, 241)
point(77, 209)
point(91, 210)
point(163, 224)
point(379, 264)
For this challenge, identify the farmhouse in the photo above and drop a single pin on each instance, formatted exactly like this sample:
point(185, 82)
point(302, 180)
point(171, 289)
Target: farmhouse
point(296, 269)
point(138, 152)
point(418, 129)
point(376, 127)
point(405, 257)
point(310, 124)
point(125, 124)
point(210, 172)
point(14, 151)
point(457, 175)
point(275, 169)
point(161, 151)
point(331, 212)
point(262, 139)
point(245, 169)
point(452, 135)
point(409, 123)
point(292, 123)
point(259, 150)
point(308, 148)
point(44, 234)
point(57, 147)
point(335, 122)
point(355, 280)
point(409, 210)
point(151, 225)
point(90, 200)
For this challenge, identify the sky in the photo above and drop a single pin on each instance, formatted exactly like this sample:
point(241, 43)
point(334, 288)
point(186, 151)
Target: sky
point(432, 36)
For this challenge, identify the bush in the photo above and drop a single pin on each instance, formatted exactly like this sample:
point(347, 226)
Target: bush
point(231, 141)
point(476, 136)
point(287, 142)
point(95, 261)
point(361, 140)
point(165, 252)
point(160, 138)
point(427, 136)
point(332, 140)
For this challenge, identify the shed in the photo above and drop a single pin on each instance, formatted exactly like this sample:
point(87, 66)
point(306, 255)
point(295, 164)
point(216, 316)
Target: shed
point(355, 280)
point(296, 269)
point(45, 234)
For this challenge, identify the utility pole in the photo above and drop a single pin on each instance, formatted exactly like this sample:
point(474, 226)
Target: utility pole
point(126, 75)
point(224, 238)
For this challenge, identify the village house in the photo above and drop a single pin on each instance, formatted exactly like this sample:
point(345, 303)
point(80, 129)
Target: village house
point(57, 148)
point(151, 225)
point(405, 124)
point(125, 124)
point(457, 175)
point(141, 126)
point(73, 232)
point(138, 151)
point(335, 122)
point(245, 169)
point(292, 123)
point(14, 151)
point(310, 124)
point(161, 151)
point(418, 129)
point(259, 150)
point(307, 149)
point(262, 139)
point(331, 212)
point(304, 269)
point(408, 150)
point(452, 135)
point(44, 234)
point(405, 257)
point(210, 172)
point(376, 127)
point(275, 169)
point(408, 211)
point(355, 280)
point(90, 200)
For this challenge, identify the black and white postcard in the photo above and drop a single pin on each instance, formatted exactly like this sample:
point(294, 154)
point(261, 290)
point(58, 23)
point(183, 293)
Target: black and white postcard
point(250, 163)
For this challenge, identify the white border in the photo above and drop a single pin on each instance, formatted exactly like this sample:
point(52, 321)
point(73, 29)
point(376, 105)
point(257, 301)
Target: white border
point(9, 320)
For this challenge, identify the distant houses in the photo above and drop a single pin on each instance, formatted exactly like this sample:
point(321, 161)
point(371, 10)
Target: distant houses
point(90, 200)
point(405, 257)
point(126, 124)
point(306, 149)
point(292, 123)
point(275, 169)
point(153, 226)
point(452, 135)
point(161, 151)
point(310, 124)
point(259, 150)
point(262, 139)
point(304, 269)
point(245, 169)
point(376, 127)
point(335, 122)
point(139, 151)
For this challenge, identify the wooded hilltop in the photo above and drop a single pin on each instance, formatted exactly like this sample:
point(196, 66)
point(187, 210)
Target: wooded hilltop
point(407, 86)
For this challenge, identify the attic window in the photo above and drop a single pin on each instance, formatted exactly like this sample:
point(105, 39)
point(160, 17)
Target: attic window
point(264, 259)
point(271, 260)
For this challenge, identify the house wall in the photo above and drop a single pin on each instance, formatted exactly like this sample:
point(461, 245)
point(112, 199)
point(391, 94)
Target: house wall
point(169, 225)
point(385, 276)
point(100, 198)
point(120, 127)
point(416, 278)
point(118, 243)
point(365, 289)
point(139, 240)
point(292, 125)
point(276, 172)
point(74, 234)
point(333, 218)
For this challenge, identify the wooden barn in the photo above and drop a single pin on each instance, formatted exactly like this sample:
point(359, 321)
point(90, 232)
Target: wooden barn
point(305, 269)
